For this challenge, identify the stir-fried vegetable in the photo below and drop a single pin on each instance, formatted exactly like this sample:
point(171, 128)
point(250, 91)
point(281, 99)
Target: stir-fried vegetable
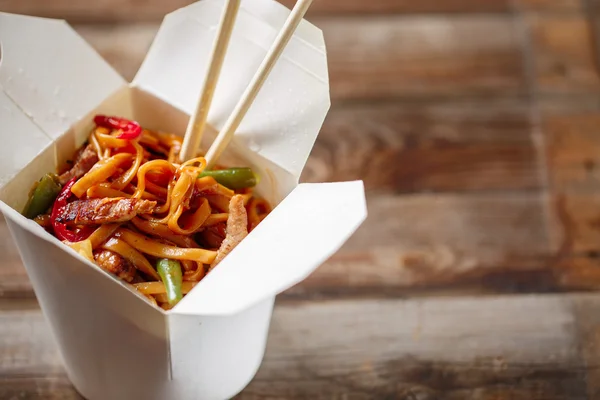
point(129, 129)
point(233, 178)
point(42, 196)
point(170, 273)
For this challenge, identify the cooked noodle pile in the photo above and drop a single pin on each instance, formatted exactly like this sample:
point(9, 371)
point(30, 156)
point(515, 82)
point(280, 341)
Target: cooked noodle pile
point(129, 205)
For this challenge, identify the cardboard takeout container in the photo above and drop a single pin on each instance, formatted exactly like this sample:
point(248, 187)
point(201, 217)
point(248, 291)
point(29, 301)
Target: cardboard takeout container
point(115, 345)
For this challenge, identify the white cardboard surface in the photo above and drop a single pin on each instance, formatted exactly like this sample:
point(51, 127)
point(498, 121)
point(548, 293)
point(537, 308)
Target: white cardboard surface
point(51, 73)
point(22, 140)
point(300, 234)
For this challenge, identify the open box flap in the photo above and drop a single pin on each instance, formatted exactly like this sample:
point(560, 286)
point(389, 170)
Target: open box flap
point(305, 229)
point(22, 140)
point(285, 118)
point(50, 72)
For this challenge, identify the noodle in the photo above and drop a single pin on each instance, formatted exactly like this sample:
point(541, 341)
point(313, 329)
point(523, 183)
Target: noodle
point(257, 211)
point(101, 234)
point(195, 276)
point(218, 201)
point(130, 253)
point(152, 208)
point(158, 249)
point(124, 180)
point(159, 287)
point(193, 222)
point(163, 231)
point(99, 173)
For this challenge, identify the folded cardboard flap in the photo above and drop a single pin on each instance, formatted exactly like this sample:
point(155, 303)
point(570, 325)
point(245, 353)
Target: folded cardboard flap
point(51, 73)
point(286, 116)
point(22, 140)
point(305, 229)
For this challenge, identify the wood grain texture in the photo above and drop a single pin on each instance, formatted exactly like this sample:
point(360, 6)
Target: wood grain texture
point(108, 11)
point(549, 5)
point(578, 217)
point(434, 146)
point(588, 327)
point(572, 145)
point(491, 242)
point(518, 348)
point(122, 46)
point(446, 56)
point(154, 10)
point(438, 349)
point(573, 149)
point(564, 52)
point(494, 242)
point(430, 56)
point(14, 282)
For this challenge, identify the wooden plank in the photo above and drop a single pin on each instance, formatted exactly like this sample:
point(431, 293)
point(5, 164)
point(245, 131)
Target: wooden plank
point(447, 349)
point(433, 146)
point(405, 6)
point(563, 47)
point(48, 387)
point(588, 323)
point(495, 242)
point(154, 10)
point(490, 242)
point(578, 222)
point(431, 56)
point(486, 242)
point(548, 5)
point(571, 140)
point(573, 149)
point(122, 46)
point(557, 104)
point(518, 348)
point(107, 11)
point(13, 278)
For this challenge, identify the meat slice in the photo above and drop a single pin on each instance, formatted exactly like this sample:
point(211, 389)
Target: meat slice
point(237, 228)
point(103, 211)
point(84, 161)
point(115, 264)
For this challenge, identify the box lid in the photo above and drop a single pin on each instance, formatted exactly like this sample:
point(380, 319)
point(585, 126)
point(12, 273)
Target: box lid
point(285, 118)
point(52, 75)
point(303, 231)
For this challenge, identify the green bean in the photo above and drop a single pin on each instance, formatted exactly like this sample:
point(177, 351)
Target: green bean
point(170, 273)
point(233, 178)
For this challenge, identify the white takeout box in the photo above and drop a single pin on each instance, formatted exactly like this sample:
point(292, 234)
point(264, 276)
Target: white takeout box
point(115, 345)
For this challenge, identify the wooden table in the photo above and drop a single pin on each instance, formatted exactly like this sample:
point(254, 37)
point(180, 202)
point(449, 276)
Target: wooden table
point(475, 125)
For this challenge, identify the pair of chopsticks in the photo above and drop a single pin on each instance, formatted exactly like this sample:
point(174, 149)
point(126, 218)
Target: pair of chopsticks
point(197, 123)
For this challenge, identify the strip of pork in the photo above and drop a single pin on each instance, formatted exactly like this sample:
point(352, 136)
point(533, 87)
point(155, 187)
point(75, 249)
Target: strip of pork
point(115, 264)
point(103, 211)
point(84, 161)
point(236, 231)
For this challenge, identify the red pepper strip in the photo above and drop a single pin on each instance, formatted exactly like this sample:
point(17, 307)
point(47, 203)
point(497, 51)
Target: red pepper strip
point(129, 129)
point(61, 230)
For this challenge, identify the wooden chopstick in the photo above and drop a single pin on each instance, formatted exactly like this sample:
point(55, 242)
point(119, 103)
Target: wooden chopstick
point(197, 123)
point(241, 108)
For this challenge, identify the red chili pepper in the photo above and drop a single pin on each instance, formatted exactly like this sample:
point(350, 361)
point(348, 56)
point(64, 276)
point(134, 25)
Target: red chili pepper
point(129, 129)
point(61, 230)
